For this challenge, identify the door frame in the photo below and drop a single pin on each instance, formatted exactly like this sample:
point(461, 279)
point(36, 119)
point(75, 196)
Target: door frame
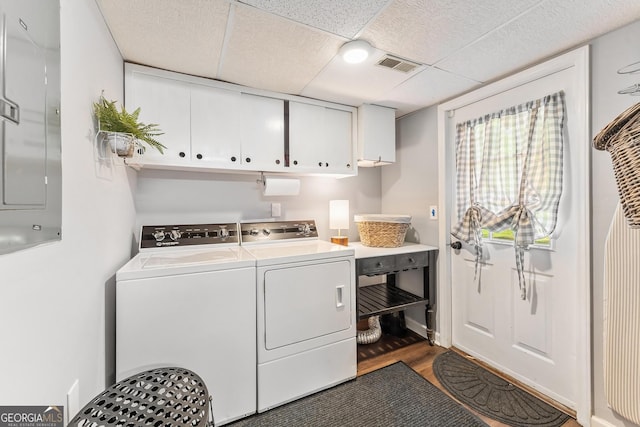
point(578, 58)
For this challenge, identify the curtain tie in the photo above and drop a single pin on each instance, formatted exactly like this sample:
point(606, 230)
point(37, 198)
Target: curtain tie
point(523, 237)
point(469, 230)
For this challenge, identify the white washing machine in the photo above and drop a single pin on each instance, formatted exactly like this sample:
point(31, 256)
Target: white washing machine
point(306, 310)
point(188, 299)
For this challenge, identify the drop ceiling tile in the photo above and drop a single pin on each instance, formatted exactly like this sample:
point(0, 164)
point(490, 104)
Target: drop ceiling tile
point(355, 83)
point(268, 52)
point(549, 29)
point(179, 35)
point(429, 30)
point(341, 17)
point(428, 87)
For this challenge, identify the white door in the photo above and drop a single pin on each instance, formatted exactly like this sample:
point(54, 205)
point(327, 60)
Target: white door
point(535, 340)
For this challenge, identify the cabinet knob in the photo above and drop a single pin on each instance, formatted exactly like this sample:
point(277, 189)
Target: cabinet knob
point(199, 156)
point(277, 161)
point(348, 165)
point(378, 264)
point(233, 158)
point(181, 154)
point(320, 164)
point(295, 162)
point(412, 261)
point(248, 160)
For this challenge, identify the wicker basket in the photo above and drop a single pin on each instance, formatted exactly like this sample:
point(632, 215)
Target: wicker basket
point(382, 231)
point(621, 138)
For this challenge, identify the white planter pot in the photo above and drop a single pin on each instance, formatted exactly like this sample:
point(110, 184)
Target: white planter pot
point(123, 144)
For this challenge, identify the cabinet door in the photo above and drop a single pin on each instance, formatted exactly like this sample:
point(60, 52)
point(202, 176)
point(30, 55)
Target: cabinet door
point(262, 133)
point(320, 139)
point(322, 294)
point(376, 134)
point(215, 127)
point(339, 141)
point(22, 141)
point(165, 102)
point(307, 151)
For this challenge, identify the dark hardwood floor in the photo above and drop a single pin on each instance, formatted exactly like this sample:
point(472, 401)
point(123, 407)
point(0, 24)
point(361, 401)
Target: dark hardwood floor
point(419, 356)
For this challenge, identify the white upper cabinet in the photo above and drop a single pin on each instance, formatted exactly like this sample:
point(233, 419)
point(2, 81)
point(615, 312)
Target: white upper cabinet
point(339, 133)
point(262, 133)
point(211, 125)
point(215, 120)
point(165, 102)
point(376, 135)
point(306, 137)
point(320, 139)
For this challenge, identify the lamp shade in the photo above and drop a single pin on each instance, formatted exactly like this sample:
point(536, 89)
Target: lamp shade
point(338, 214)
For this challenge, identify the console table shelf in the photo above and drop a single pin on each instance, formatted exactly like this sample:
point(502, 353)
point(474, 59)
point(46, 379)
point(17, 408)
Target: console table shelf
point(375, 300)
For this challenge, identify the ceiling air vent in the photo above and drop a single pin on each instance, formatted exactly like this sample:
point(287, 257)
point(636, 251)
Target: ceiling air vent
point(397, 64)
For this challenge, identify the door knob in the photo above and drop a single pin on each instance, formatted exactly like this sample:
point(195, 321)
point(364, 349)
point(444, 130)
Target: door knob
point(456, 245)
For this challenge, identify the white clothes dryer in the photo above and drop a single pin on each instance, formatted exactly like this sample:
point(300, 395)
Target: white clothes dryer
point(306, 310)
point(188, 299)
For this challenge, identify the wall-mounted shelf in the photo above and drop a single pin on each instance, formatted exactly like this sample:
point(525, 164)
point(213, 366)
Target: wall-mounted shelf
point(111, 146)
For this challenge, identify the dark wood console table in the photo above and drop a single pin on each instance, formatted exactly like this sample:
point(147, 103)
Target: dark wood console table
point(385, 298)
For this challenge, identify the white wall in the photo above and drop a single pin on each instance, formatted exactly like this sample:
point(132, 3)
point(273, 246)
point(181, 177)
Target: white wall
point(167, 197)
point(52, 297)
point(410, 186)
point(608, 54)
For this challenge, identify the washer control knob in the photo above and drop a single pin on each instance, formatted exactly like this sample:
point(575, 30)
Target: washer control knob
point(253, 232)
point(158, 235)
point(175, 234)
point(306, 229)
point(224, 233)
point(266, 231)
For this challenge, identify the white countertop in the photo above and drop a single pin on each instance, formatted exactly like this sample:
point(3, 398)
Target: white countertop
point(368, 252)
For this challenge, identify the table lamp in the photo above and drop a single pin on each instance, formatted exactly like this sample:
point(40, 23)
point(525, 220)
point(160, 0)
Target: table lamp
point(339, 219)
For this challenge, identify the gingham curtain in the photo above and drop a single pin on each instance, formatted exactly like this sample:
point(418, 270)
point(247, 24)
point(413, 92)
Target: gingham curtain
point(509, 174)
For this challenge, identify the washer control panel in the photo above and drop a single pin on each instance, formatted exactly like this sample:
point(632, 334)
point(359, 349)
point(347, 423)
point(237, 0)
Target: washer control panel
point(158, 236)
point(280, 230)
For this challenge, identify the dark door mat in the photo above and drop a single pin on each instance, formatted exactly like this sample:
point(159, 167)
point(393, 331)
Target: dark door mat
point(395, 395)
point(387, 343)
point(493, 396)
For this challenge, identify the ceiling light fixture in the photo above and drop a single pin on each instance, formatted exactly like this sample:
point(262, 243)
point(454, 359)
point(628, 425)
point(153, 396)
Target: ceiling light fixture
point(355, 51)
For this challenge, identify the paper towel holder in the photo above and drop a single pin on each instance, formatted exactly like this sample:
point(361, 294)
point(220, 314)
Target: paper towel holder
point(278, 185)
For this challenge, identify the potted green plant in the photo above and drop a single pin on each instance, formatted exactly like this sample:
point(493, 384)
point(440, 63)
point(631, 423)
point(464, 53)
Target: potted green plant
point(124, 129)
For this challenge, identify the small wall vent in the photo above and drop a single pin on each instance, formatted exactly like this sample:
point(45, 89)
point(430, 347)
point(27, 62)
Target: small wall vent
point(397, 64)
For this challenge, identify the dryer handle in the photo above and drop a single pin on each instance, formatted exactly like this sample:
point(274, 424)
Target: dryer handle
point(339, 293)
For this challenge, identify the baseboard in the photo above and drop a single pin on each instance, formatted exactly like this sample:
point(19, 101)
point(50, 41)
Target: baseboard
point(420, 329)
point(599, 422)
point(416, 327)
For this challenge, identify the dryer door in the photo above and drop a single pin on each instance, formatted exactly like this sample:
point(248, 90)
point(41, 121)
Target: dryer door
point(306, 302)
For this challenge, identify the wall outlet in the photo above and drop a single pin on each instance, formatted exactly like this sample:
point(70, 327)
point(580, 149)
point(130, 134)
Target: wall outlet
point(73, 400)
point(433, 212)
point(276, 210)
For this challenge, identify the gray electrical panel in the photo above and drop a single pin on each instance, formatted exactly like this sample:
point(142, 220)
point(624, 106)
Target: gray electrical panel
point(30, 169)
